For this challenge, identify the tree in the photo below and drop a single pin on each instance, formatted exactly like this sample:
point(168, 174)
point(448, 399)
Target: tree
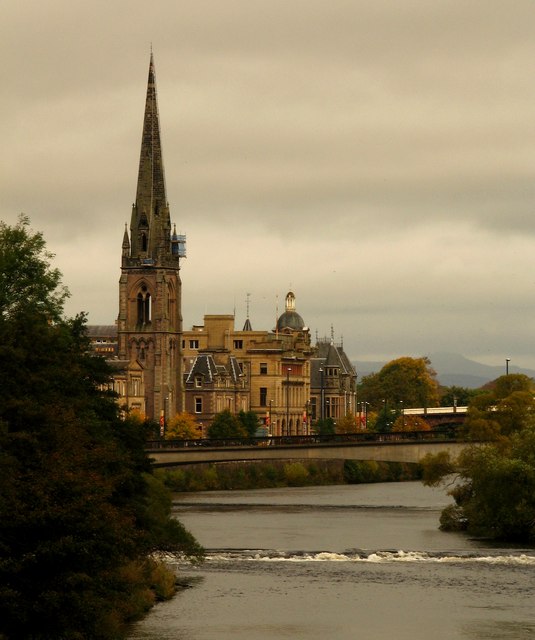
point(408, 380)
point(457, 396)
point(495, 488)
point(506, 405)
point(325, 427)
point(28, 280)
point(78, 516)
point(226, 425)
point(183, 426)
point(410, 423)
point(249, 421)
point(347, 424)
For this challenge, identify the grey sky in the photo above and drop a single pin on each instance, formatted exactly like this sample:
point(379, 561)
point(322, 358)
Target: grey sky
point(376, 157)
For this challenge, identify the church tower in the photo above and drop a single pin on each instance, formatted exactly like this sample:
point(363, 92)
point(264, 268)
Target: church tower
point(150, 315)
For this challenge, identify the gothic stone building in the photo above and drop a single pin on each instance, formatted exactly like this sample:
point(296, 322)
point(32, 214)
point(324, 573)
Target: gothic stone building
point(149, 325)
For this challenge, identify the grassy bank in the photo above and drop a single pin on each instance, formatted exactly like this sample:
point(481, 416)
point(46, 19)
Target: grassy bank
point(298, 473)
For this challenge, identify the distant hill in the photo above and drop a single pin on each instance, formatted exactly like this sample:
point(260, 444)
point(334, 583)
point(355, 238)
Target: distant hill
point(453, 369)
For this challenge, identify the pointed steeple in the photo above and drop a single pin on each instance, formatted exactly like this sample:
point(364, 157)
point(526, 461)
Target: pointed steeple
point(151, 225)
point(126, 242)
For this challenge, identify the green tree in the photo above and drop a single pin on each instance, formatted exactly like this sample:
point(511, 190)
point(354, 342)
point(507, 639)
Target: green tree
point(78, 516)
point(29, 283)
point(249, 421)
point(408, 380)
point(495, 488)
point(183, 426)
point(226, 425)
point(459, 396)
point(325, 427)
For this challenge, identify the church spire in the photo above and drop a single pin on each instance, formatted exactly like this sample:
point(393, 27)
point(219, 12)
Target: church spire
point(150, 225)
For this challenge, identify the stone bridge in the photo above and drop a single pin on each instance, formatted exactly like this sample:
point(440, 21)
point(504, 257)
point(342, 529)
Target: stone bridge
point(389, 447)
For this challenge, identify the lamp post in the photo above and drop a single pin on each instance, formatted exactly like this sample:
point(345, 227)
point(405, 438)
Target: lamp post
point(288, 401)
point(270, 428)
point(321, 395)
point(507, 361)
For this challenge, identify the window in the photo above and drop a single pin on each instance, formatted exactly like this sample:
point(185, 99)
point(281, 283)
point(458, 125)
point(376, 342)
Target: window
point(198, 382)
point(263, 396)
point(198, 405)
point(263, 368)
point(238, 344)
point(193, 344)
point(143, 306)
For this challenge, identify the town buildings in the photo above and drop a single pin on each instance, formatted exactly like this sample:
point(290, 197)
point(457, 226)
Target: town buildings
point(161, 370)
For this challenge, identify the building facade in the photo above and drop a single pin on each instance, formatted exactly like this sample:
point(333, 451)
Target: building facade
point(267, 372)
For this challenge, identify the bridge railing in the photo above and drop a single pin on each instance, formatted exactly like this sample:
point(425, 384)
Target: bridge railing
point(448, 434)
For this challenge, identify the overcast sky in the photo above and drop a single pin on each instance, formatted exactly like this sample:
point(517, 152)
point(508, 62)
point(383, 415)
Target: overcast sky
point(376, 157)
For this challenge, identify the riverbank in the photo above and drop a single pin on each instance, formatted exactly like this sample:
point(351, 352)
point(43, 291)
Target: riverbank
point(226, 476)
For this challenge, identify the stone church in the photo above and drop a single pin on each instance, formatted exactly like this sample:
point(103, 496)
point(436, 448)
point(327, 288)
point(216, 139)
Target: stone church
point(160, 370)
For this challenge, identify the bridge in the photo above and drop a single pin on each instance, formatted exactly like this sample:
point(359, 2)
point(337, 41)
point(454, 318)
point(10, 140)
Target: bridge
point(388, 447)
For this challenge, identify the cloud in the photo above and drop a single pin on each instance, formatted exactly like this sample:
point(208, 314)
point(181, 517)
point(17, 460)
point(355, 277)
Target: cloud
point(376, 157)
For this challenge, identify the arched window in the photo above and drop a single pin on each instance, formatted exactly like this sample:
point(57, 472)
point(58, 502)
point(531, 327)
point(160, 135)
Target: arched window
point(143, 242)
point(143, 306)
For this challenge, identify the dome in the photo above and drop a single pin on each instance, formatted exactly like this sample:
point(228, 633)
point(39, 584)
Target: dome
point(290, 319)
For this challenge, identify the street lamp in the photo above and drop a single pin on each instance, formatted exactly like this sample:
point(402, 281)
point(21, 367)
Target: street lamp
point(321, 395)
point(288, 401)
point(507, 361)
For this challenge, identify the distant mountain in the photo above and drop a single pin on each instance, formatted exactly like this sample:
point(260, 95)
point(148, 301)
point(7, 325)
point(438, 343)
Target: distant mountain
point(453, 369)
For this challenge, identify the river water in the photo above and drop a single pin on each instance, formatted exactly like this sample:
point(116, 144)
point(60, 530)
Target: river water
point(339, 563)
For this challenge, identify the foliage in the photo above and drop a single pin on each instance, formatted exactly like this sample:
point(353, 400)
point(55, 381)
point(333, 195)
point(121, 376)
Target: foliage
point(386, 418)
point(28, 280)
point(80, 513)
point(457, 396)
point(410, 423)
point(411, 381)
point(249, 421)
point(226, 425)
point(366, 471)
point(347, 424)
point(495, 488)
point(182, 426)
point(325, 427)
point(296, 474)
point(252, 475)
point(505, 407)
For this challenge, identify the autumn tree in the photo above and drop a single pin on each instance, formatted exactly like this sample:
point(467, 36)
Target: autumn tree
point(494, 487)
point(80, 512)
point(182, 426)
point(410, 381)
point(410, 423)
point(347, 424)
point(505, 406)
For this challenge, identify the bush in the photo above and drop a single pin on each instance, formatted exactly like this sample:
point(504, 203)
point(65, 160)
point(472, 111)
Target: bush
point(296, 474)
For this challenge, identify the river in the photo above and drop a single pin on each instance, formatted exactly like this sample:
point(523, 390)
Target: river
point(339, 563)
